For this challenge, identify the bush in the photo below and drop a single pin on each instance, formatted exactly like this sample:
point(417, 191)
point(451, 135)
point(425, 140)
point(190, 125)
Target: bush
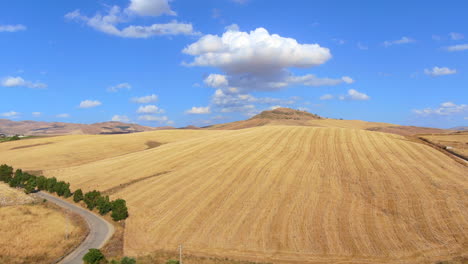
point(78, 196)
point(119, 210)
point(94, 256)
point(91, 199)
point(104, 205)
point(172, 261)
point(6, 173)
point(127, 260)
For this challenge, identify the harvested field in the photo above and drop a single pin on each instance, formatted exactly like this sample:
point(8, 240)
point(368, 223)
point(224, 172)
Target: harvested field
point(36, 234)
point(64, 151)
point(457, 142)
point(288, 194)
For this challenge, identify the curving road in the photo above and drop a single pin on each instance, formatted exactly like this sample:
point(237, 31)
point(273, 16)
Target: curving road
point(99, 229)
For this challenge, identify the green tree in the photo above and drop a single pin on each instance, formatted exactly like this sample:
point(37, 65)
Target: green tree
point(6, 173)
point(41, 183)
point(119, 210)
point(94, 256)
point(172, 261)
point(50, 185)
point(78, 196)
point(91, 199)
point(104, 205)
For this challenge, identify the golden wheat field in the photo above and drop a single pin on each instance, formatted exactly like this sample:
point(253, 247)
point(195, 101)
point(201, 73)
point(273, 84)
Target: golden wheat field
point(34, 233)
point(458, 142)
point(284, 194)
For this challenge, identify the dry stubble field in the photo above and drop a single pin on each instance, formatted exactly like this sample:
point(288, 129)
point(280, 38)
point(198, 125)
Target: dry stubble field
point(285, 194)
point(34, 233)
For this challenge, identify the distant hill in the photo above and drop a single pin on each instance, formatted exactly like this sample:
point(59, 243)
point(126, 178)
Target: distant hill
point(460, 128)
point(292, 117)
point(35, 128)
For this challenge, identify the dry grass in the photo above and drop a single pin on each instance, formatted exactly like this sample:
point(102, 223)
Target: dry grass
point(287, 194)
point(11, 196)
point(36, 234)
point(64, 151)
point(457, 141)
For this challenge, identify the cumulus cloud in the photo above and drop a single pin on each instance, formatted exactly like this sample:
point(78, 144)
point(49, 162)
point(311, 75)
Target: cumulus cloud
point(63, 116)
point(456, 36)
point(199, 110)
point(216, 80)
point(460, 47)
point(109, 24)
point(444, 109)
point(12, 28)
point(11, 81)
point(89, 103)
point(256, 51)
point(145, 99)
point(120, 118)
point(120, 86)
point(439, 71)
point(149, 109)
point(403, 40)
point(36, 114)
point(150, 7)
point(11, 114)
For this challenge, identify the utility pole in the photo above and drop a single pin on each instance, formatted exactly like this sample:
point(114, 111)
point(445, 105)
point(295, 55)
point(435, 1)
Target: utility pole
point(180, 254)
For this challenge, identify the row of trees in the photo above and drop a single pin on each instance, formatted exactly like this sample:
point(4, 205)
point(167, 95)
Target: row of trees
point(93, 199)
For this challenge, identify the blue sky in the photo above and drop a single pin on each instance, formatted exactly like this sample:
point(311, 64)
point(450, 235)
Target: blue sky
point(184, 62)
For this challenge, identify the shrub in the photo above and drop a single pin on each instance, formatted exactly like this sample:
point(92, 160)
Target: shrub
point(172, 261)
point(6, 173)
point(94, 256)
point(104, 205)
point(78, 196)
point(127, 260)
point(119, 210)
point(91, 199)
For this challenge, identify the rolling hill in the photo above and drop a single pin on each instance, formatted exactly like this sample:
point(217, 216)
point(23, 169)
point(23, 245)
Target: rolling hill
point(287, 116)
point(35, 128)
point(283, 194)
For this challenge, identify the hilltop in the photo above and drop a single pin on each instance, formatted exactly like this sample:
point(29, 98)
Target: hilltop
point(293, 117)
point(38, 128)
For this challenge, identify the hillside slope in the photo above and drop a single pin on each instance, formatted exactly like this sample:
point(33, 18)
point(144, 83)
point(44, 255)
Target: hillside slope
point(35, 128)
point(289, 194)
point(292, 117)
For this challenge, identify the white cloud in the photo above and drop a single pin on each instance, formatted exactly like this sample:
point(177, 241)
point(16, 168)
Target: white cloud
point(275, 107)
point(150, 7)
point(89, 103)
point(63, 116)
point(257, 51)
point(149, 109)
point(153, 118)
point(312, 80)
point(199, 110)
point(216, 80)
point(120, 118)
point(36, 114)
point(456, 36)
point(11, 114)
point(120, 86)
point(145, 99)
point(439, 71)
point(403, 40)
point(20, 82)
point(460, 47)
point(327, 97)
point(12, 28)
point(108, 24)
point(444, 109)
point(355, 95)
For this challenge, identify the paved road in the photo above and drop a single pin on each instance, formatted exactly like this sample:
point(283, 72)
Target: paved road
point(99, 229)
